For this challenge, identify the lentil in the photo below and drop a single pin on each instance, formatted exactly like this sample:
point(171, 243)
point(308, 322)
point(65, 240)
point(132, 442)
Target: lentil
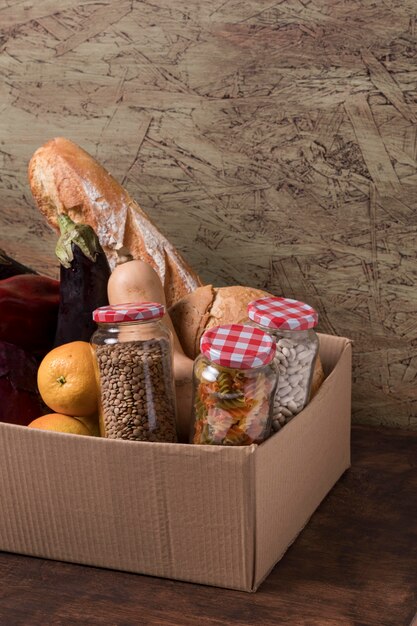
point(149, 413)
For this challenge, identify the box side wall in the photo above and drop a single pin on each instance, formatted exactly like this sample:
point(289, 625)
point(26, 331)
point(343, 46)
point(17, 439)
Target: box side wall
point(331, 349)
point(183, 512)
point(297, 467)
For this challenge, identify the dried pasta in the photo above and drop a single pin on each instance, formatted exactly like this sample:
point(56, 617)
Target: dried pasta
point(233, 409)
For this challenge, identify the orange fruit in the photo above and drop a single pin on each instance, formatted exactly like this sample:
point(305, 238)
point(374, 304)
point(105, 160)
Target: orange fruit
point(92, 424)
point(67, 381)
point(60, 423)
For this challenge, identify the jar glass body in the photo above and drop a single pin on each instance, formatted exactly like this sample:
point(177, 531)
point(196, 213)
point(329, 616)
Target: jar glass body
point(232, 406)
point(295, 359)
point(134, 369)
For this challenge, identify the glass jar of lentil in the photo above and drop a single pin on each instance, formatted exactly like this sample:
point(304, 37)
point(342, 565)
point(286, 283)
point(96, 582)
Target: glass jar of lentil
point(234, 386)
point(134, 368)
point(291, 323)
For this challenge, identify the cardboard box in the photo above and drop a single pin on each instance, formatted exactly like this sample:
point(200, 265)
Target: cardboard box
point(206, 514)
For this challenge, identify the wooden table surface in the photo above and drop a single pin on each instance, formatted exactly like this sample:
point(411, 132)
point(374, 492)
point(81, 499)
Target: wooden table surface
point(355, 564)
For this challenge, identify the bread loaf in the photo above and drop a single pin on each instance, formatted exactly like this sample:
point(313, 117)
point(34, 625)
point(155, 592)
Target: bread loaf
point(66, 179)
point(318, 378)
point(210, 306)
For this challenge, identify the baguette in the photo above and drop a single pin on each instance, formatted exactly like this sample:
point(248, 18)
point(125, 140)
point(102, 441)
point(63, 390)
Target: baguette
point(66, 179)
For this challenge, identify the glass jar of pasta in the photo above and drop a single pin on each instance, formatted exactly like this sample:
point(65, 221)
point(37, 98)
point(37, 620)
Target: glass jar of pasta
point(291, 323)
point(234, 386)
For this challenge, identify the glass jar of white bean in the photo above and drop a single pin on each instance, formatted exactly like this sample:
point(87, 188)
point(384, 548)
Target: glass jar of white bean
point(291, 323)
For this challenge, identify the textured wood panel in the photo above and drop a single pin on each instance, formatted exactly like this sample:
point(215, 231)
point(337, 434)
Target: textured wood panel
point(274, 142)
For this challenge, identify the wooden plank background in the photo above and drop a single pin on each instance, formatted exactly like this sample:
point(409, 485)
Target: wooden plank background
point(275, 143)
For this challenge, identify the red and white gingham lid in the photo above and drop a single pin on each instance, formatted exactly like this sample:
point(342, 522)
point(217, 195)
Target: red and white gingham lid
point(238, 346)
point(130, 312)
point(283, 313)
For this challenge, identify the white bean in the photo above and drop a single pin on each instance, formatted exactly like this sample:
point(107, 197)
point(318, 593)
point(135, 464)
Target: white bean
point(293, 361)
point(284, 391)
point(300, 348)
point(280, 359)
point(299, 395)
point(294, 379)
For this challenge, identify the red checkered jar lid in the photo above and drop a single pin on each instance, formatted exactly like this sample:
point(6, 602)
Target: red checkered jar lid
point(130, 312)
point(238, 346)
point(282, 313)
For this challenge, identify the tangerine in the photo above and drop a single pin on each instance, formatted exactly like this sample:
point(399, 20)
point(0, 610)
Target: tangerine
point(60, 423)
point(92, 423)
point(67, 380)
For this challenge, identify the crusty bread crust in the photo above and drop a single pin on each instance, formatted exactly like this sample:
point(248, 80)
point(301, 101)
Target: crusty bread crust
point(66, 179)
point(190, 316)
point(231, 305)
point(210, 306)
point(318, 377)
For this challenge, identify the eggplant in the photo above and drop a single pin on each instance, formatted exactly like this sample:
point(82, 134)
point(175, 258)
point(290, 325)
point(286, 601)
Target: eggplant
point(9, 267)
point(84, 273)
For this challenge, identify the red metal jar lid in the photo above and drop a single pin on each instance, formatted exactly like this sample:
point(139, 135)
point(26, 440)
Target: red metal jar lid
point(130, 312)
point(283, 313)
point(238, 346)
